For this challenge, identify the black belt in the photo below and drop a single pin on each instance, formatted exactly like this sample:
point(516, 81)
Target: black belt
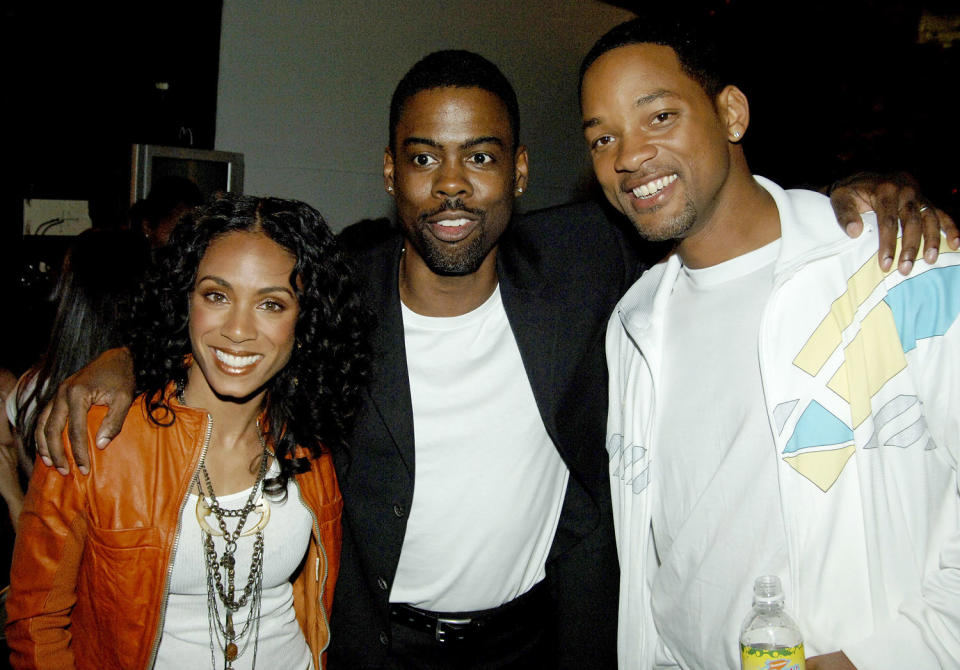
point(470, 626)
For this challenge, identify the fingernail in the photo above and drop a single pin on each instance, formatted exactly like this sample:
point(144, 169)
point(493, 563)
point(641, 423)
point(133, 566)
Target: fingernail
point(102, 442)
point(886, 263)
point(46, 461)
point(63, 471)
point(906, 266)
point(930, 255)
point(84, 470)
point(852, 228)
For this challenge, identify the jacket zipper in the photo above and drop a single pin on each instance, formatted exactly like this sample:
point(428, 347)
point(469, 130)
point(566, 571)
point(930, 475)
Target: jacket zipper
point(176, 543)
point(323, 581)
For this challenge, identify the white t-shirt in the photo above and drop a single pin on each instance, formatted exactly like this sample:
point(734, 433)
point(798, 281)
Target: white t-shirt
point(185, 642)
point(489, 482)
point(716, 518)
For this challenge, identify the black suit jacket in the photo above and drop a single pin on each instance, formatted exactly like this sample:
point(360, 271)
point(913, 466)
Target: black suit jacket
point(561, 272)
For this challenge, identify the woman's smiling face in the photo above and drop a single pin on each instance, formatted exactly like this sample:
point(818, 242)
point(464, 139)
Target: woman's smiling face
point(243, 315)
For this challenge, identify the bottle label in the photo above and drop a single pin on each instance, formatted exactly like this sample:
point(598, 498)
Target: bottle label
point(784, 658)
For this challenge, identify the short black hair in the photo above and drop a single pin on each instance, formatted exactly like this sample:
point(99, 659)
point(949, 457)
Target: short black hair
point(694, 40)
point(454, 68)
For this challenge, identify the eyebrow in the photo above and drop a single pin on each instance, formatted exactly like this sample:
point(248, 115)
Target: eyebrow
point(639, 102)
point(265, 290)
point(484, 139)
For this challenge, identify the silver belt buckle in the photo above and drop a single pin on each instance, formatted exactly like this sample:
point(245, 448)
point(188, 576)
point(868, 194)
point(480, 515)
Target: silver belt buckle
point(441, 632)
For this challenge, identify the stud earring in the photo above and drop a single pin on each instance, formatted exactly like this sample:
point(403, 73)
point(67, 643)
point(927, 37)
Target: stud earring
point(736, 134)
point(389, 189)
point(519, 189)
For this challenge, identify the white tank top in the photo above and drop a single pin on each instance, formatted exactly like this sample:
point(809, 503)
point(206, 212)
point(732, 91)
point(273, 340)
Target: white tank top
point(186, 635)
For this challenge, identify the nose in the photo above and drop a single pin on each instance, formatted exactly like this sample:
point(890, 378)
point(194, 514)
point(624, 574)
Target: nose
point(239, 325)
point(635, 149)
point(452, 181)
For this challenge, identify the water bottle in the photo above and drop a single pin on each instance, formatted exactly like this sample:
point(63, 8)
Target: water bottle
point(769, 638)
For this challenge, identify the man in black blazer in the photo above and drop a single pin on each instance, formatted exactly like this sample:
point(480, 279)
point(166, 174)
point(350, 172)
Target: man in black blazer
point(455, 167)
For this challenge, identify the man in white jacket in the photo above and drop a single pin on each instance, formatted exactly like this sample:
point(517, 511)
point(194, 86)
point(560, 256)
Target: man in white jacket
point(778, 404)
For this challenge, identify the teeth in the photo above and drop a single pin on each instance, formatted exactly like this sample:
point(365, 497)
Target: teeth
point(236, 361)
point(453, 223)
point(651, 188)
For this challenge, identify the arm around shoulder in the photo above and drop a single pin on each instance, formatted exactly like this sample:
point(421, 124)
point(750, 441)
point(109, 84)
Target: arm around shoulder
point(108, 380)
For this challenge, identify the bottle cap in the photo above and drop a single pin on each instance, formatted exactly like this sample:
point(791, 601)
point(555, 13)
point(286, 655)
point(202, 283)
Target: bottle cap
point(767, 590)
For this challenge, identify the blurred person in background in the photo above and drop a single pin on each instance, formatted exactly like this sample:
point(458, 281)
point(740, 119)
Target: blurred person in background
point(101, 273)
point(10, 487)
point(170, 198)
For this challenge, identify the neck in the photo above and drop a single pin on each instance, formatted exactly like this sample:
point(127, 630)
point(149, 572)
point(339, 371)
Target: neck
point(430, 294)
point(742, 218)
point(234, 421)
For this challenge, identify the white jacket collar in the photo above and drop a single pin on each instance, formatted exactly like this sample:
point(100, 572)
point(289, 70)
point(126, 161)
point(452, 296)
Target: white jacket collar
point(799, 244)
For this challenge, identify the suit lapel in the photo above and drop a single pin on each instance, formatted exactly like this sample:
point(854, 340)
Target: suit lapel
point(389, 390)
point(534, 312)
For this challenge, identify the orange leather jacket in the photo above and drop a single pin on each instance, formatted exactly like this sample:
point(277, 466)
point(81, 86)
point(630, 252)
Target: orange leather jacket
point(94, 553)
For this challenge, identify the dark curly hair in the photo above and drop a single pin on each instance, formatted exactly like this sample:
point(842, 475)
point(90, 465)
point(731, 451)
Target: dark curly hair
point(312, 401)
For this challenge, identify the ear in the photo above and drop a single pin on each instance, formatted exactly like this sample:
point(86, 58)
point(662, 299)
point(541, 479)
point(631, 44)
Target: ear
point(735, 111)
point(521, 166)
point(388, 172)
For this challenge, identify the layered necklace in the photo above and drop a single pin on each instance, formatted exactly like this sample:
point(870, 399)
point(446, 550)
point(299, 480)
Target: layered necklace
point(224, 599)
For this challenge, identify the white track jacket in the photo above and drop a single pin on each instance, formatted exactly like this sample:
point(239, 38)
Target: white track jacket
point(861, 378)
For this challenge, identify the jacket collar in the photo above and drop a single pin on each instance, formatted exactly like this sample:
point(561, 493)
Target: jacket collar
point(799, 243)
point(535, 311)
point(808, 226)
point(389, 389)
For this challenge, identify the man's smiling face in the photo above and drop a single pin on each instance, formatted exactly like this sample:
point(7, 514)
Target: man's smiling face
point(657, 141)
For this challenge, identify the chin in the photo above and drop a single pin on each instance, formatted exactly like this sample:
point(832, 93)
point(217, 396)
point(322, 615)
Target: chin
point(239, 396)
point(235, 391)
point(665, 228)
point(455, 269)
point(466, 262)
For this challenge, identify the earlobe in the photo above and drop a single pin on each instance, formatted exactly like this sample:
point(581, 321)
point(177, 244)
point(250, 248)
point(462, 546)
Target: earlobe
point(735, 109)
point(388, 171)
point(521, 168)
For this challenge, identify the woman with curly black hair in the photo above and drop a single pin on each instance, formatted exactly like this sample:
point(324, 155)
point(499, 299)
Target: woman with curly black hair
point(213, 531)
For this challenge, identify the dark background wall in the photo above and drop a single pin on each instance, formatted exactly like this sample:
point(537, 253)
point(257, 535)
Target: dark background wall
point(80, 84)
point(837, 87)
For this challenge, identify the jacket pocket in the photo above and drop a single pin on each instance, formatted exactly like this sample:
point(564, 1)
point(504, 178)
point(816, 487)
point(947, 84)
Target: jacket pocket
point(120, 589)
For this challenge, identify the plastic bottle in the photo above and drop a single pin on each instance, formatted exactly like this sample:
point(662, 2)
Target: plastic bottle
point(769, 638)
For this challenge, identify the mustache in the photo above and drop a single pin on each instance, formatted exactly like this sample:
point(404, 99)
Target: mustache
point(452, 204)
